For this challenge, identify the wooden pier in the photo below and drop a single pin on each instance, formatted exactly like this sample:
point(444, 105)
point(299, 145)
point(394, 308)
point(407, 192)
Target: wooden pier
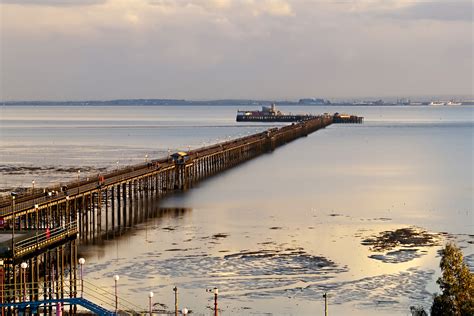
point(46, 227)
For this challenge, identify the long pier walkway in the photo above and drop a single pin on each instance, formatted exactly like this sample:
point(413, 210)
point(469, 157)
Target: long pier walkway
point(41, 230)
point(82, 200)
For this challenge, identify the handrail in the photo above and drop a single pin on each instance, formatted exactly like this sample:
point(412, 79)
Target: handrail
point(48, 236)
point(109, 297)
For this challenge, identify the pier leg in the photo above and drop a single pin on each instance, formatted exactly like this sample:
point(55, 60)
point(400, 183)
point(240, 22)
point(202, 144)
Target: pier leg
point(119, 207)
point(112, 208)
point(107, 213)
point(124, 208)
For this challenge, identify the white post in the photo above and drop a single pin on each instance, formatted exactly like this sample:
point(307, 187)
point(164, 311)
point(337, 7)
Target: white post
point(23, 266)
point(81, 262)
point(150, 295)
point(116, 278)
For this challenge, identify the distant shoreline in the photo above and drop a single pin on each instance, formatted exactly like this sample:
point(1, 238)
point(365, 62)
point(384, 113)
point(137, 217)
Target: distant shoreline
point(230, 102)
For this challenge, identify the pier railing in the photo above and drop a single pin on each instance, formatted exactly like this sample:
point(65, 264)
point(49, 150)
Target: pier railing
point(108, 299)
point(44, 239)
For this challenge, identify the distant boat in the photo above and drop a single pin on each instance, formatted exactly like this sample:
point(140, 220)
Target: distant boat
point(437, 103)
point(452, 102)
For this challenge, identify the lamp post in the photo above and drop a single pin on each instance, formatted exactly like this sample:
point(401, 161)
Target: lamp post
point(325, 295)
point(33, 184)
point(175, 290)
point(67, 210)
point(216, 291)
point(36, 222)
point(116, 278)
point(81, 262)
point(13, 194)
point(23, 266)
point(146, 158)
point(78, 177)
point(150, 295)
point(2, 283)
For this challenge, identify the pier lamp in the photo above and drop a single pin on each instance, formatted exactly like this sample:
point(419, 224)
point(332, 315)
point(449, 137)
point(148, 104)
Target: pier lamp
point(146, 158)
point(150, 296)
point(116, 278)
point(2, 284)
point(67, 210)
point(33, 188)
point(36, 221)
point(325, 296)
point(23, 266)
point(175, 290)
point(78, 178)
point(13, 194)
point(184, 311)
point(81, 262)
point(216, 291)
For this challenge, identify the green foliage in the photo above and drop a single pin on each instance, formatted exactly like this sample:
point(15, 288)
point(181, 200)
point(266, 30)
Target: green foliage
point(456, 283)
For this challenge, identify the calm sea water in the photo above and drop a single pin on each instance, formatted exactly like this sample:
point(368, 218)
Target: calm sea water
point(277, 232)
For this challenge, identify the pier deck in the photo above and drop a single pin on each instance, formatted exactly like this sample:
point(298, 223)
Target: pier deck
point(211, 158)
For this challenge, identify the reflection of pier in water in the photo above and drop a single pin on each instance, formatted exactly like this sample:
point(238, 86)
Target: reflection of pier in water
point(156, 212)
point(109, 205)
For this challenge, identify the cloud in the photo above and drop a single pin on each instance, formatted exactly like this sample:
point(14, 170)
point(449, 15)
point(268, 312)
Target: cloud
point(248, 7)
point(373, 5)
point(54, 2)
point(276, 7)
point(132, 18)
point(223, 4)
point(233, 48)
point(442, 11)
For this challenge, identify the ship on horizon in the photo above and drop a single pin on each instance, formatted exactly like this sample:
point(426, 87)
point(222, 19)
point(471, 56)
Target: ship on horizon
point(440, 103)
point(452, 102)
point(437, 103)
point(270, 114)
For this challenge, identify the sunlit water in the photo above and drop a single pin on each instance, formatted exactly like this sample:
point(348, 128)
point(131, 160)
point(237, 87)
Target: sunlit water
point(274, 233)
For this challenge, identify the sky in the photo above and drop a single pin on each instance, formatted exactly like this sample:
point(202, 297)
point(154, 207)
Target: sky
point(250, 49)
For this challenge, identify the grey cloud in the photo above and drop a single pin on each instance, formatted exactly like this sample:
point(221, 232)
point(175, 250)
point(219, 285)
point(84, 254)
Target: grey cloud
point(187, 53)
point(54, 2)
point(442, 11)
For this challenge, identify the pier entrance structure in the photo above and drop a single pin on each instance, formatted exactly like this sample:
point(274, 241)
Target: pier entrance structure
point(41, 229)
